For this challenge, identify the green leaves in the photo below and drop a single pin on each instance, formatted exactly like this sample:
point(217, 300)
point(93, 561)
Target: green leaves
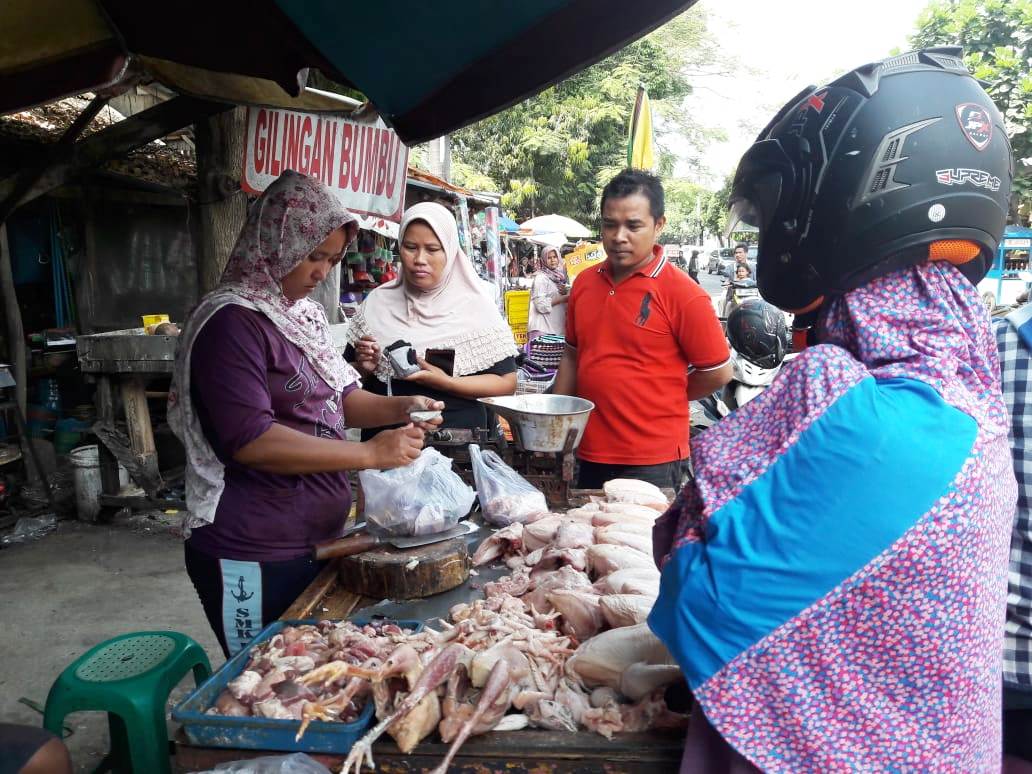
point(997, 40)
point(555, 151)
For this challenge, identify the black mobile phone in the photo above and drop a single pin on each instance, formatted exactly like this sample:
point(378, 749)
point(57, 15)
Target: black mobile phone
point(443, 359)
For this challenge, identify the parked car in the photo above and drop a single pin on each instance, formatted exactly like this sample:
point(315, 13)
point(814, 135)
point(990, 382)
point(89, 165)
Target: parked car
point(729, 262)
point(715, 265)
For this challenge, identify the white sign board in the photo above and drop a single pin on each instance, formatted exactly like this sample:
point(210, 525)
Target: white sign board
point(364, 164)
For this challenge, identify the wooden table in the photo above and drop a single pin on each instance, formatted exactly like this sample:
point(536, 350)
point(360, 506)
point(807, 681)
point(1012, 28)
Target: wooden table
point(121, 362)
point(533, 751)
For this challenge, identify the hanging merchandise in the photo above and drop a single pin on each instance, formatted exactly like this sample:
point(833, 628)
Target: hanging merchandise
point(462, 221)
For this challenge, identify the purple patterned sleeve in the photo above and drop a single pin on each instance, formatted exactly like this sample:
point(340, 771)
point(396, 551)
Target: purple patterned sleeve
point(228, 374)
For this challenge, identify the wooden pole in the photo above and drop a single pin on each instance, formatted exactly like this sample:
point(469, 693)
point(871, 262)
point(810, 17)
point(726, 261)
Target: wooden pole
point(13, 321)
point(223, 207)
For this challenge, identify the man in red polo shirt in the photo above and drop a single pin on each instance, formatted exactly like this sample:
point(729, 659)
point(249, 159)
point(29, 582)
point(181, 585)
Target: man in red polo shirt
point(642, 340)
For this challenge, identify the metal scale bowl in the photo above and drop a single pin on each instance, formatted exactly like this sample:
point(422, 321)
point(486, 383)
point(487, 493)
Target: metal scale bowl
point(546, 431)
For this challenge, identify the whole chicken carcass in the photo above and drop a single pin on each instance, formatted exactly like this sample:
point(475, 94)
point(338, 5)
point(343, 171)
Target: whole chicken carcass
point(637, 580)
point(630, 659)
point(630, 510)
point(606, 558)
point(584, 513)
point(563, 578)
point(573, 534)
point(625, 609)
point(540, 533)
point(639, 541)
point(629, 490)
point(582, 616)
point(608, 519)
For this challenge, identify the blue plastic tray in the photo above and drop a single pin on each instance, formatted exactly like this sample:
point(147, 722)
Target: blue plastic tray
point(253, 733)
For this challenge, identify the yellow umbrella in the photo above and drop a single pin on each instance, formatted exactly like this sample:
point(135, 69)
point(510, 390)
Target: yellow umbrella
point(640, 143)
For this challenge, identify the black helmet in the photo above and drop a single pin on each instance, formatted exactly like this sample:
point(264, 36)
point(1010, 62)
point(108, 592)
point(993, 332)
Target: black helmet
point(856, 179)
point(758, 332)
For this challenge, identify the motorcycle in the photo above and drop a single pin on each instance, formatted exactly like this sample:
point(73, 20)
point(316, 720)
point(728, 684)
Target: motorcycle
point(738, 290)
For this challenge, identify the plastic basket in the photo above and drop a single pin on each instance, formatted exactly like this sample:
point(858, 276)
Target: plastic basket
point(253, 733)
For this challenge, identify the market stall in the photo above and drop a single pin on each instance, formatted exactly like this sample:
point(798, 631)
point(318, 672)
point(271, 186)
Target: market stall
point(540, 654)
point(1010, 274)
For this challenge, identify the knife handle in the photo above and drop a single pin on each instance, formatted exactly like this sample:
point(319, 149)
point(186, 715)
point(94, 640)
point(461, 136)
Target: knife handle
point(348, 546)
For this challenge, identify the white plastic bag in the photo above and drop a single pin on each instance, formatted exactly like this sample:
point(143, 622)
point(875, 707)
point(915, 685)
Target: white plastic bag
point(423, 498)
point(296, 763)
point(505, 496)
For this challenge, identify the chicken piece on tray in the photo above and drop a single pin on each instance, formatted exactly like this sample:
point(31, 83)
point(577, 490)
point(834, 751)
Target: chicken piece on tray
point(434, 675)
point(505, 542)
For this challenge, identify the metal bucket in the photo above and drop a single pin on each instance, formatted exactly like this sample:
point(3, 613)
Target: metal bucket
point(543, 423)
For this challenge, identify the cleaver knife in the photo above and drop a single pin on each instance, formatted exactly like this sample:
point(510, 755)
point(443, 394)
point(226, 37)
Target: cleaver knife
point(357, 544)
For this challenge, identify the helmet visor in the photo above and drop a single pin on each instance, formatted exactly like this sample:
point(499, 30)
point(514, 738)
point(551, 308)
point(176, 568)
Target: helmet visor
point(763, 180)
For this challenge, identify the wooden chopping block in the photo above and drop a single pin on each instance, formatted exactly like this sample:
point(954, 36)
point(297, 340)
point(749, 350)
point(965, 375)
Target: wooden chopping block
point(392, 573)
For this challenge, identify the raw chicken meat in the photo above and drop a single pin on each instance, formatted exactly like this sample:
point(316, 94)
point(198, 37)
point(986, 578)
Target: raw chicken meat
point(639, 541)
point(630, 659)
point(651, 712)
point(540, 533)
point(607, 519)
point(630, 510)
point(629, 490)
point(514, 508)
point(625, 609)
point(310, 672)
point(637, 580)
point(582, 616)
point(506, 540)
point(584, 513)
point(573, 534)
point(563, 578)
point(605, 558)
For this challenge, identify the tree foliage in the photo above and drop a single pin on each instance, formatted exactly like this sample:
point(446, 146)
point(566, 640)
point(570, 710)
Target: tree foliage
point(997, 39)
point(686, 204)
point(555, 151)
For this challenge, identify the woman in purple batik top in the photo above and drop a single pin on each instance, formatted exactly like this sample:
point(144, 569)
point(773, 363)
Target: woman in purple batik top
point(261, 400)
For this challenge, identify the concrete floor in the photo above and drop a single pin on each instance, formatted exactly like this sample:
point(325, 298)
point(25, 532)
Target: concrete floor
point(76, 587)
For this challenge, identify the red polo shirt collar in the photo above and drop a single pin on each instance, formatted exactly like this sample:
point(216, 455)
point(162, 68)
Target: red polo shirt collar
point(651, 269)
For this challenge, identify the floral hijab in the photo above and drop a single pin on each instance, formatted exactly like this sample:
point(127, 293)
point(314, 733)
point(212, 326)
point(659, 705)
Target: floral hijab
point(291, 218)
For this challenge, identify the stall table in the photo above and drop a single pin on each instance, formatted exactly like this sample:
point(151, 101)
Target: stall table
point(516, 752)
point(121, 362)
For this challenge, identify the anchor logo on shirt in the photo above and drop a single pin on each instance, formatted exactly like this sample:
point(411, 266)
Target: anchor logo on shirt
point(242, 596)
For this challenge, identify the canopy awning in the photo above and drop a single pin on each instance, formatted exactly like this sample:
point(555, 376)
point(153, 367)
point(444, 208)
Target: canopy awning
point(427, 68)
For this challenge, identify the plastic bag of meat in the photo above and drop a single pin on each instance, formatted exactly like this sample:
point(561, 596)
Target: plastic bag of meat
point(423, 498)
point(505, 496)
point(297, 763)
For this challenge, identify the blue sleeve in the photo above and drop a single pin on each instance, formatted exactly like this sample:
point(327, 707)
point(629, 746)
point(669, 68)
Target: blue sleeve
point(856, 480)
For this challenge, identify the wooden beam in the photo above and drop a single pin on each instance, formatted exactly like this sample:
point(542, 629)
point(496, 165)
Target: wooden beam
point(138, 422)
point(222, 205)
point(122, 195)
point(13, 323)
point(29, 176)
point(113, 142)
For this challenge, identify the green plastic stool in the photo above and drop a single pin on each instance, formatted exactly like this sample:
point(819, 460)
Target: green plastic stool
point(130, 677)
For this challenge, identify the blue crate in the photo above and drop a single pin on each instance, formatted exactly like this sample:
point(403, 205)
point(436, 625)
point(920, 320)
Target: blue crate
point(254, 733)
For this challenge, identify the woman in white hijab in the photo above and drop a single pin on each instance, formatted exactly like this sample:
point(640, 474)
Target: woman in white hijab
point(436, 304)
